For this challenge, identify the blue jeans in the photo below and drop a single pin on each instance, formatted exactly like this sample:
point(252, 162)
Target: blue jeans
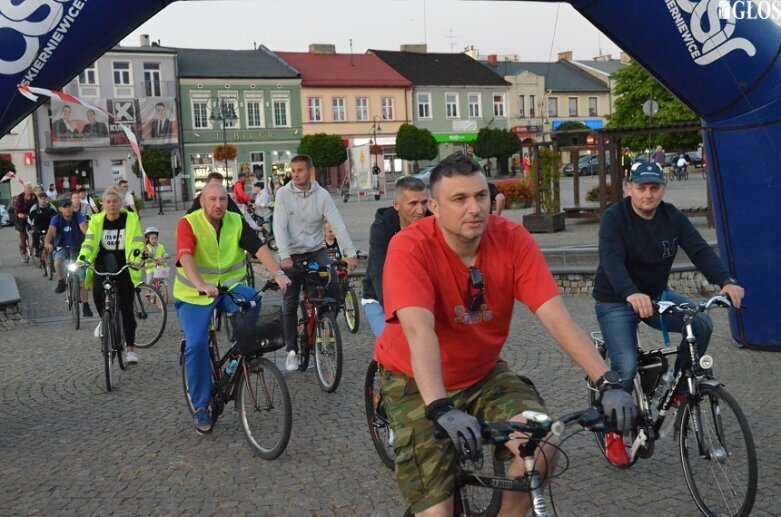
point(618, 323)
point(375, 315)
point(195, 321)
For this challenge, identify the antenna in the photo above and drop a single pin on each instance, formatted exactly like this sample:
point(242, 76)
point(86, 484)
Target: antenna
point(351, 52)
point(425, 37)
point(452, 37)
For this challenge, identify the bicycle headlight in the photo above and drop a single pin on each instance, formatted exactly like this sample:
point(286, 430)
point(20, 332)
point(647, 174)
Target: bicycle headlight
point(73, 267)
point(706, 362)
point(107, 286)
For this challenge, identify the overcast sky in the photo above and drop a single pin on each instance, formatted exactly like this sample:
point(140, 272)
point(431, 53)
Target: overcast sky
point(535, 31)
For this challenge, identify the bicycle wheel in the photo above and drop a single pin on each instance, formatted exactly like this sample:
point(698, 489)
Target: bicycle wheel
point(50, 264)
point(379, 426)
point(722, 478)
point(264, 408)
point(303, 338)
point(250, 273)
point(477, 500)
point(352, 314)
point(671, 176)
point(119, 344)
point(74, 300)
point(107, 348)
point(151, 315)
point(185, 384)
point(328, 352)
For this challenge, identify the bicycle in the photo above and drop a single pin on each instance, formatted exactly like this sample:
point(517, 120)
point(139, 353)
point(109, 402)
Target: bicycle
point(379, 425)
point(73, 290)
point(252, 382)
point(317, 328)
point(159, 274)
point(265, 233)
point(112, 346)
point(349, 302)
point(709, 424)
point(45, 259)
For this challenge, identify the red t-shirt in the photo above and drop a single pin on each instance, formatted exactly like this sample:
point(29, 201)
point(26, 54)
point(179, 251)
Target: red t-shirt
point(422, 271)
point(241, 197)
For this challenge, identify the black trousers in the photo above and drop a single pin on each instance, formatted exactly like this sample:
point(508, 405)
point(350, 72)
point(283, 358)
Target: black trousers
point(126, 292)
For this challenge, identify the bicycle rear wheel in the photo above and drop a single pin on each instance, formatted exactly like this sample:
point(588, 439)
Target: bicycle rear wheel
point(379, 426)
point(723, 478)
point(264, 408)
point(151, 315)
point(107, 348)
point(328, 352)
point(74, 300)
point(352, 314)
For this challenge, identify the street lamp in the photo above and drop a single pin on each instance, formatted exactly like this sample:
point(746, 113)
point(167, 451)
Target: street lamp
point(222, 111)
point(375, 127)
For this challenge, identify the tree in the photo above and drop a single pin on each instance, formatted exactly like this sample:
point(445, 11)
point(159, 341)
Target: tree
point(572, 138)
point(157, 165)
point(325, 151)
point(634, 86)
point(499, 144)
point(415, 144)
point(6, 166)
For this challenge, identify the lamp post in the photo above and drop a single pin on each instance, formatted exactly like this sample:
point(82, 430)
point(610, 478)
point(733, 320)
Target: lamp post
point(222, 111)
point(376, 169)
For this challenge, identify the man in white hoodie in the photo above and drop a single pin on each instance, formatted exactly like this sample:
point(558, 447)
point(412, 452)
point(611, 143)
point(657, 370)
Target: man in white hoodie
point(301, 207)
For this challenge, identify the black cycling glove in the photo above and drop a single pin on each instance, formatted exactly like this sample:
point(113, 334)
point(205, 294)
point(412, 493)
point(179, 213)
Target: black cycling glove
point(619, 408)
point(462, 428)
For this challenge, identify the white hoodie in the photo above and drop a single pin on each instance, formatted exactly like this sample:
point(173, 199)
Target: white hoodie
point(299, 216)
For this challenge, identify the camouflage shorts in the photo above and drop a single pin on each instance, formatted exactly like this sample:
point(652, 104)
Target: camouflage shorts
point(424, 464)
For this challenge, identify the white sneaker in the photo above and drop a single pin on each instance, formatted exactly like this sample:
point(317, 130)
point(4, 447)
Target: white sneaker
point(98, 330)
point(131, 358)
point(291, 363)
point(391, 437)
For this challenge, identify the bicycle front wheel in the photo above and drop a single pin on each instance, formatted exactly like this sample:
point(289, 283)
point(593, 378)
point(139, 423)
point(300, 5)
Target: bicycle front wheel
point(185, 384)
point(479, 501)
point(352, 314)
point(151, 315)
point(720, 461)
point(379, 426)
point(328, 352)
point(107, 348)
point(264, 408)
point(74, 300)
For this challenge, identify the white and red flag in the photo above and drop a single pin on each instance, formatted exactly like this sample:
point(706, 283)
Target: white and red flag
point(10, 175)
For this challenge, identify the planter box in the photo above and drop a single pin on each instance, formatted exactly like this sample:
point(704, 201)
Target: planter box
point(539, 223)
point(520, 204)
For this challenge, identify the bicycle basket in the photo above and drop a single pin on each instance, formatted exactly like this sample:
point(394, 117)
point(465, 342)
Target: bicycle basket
point(262, 335)
point(162, 271)
point(316, 282)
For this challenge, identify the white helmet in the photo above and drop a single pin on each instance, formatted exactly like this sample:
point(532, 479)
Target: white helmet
point(151, 229)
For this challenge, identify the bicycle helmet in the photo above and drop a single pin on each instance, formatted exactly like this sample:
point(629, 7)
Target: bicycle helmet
point(151, 229)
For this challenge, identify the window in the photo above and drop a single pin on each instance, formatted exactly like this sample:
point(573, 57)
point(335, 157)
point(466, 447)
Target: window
point(573, 106)
point(280, 104)
point(387, 108)
point(451, 105)
point(592, 107)
point(337, 105)
point(473, 100)
point(361, 108)
point(499, 110)
point(200, 112)
point(315, 110)
point(532, 106)
point(152, 79)
point(89, 77)
point(553, 107)
point(253, 103)
point(424, 105)
point(122, 73)
point(521, 108)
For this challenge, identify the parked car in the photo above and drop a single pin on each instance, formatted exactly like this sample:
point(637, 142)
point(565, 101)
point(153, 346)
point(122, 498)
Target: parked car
point(582, 164)
point(424, 174)
point(5, 219)
point(587, 165)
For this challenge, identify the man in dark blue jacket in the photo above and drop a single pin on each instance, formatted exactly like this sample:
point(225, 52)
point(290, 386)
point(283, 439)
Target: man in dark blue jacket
point(638, 240)
point(409, 204)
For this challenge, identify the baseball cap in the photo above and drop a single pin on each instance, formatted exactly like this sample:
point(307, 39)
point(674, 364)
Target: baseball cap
point(648, 173)
point(66, 201)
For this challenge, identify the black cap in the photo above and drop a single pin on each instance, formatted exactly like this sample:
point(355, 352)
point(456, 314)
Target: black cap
point(648, 172)
point(66, 201)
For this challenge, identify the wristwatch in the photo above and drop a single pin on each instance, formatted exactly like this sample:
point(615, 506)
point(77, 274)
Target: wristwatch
point(280, 272)
point(729, 281)
point(609, 380)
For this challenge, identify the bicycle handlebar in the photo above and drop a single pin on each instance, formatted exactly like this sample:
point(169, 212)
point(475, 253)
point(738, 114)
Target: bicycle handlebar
point(719, 300)
point(75, 266)
point(236, 298)
point(538, 425)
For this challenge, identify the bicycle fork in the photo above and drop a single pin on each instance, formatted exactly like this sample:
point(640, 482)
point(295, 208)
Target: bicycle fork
point(539, 505)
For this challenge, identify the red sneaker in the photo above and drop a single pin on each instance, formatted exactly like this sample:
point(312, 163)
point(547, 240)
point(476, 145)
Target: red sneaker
point(615, 450)
point(678, 400)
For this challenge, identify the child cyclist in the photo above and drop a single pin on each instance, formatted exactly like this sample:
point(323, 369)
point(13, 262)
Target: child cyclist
point(154, 251)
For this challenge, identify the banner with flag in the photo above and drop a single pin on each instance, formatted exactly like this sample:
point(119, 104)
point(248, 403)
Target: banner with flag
point(10, 175)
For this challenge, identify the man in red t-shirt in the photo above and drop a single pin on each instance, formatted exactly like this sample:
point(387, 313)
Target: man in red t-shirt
point(242, 199)
point(450, 285)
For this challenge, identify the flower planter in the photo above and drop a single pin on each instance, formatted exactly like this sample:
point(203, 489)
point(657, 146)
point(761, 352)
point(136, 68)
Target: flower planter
point(539, 223)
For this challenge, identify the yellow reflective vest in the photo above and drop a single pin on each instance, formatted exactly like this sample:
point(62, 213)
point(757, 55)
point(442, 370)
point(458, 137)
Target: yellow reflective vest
point(134, 240)
point(219, 263)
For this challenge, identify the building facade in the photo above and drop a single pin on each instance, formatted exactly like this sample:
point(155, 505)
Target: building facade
point(18, 147)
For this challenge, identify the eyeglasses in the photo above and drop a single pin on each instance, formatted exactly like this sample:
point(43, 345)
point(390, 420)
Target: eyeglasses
point(476, 289)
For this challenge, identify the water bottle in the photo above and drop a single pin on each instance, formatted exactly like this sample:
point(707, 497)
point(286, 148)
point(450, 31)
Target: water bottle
point(664, 384)
point(228, 371)
point(672, 413)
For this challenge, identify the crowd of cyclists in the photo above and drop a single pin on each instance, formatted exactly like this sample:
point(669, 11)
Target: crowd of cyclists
point(442, 278)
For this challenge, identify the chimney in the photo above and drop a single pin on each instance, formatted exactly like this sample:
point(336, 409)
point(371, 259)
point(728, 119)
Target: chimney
point(624, 58)
point(603, 58)
point(471, 51)
point(322, 48)
point(144, 40)
point(565, 56)
point(418, 48)
point(492, 62)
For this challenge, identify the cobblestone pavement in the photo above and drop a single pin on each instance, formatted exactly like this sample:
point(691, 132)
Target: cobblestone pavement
point(68, 447)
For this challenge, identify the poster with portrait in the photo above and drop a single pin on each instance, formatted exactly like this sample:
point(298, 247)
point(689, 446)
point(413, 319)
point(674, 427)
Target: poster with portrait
point(127, 112)
point(159, 116)
point(74, 125)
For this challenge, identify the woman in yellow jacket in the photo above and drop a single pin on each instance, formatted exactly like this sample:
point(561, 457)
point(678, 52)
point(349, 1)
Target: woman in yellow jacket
point(112, 239)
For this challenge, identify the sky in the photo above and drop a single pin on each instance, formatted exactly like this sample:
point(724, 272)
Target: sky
point(536, 31)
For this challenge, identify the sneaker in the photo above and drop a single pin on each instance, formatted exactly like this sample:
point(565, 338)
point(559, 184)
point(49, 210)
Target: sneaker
point(98, 330)
point(202, 421)
point(60, 287)
point(678, 400)
point(615, 450)
point(291, 363)
point(25, 259)
point(131, 358)
point(86, 311)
